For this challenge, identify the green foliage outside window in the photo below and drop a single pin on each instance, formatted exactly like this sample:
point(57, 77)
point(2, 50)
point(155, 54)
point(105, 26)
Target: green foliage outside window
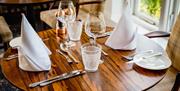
point(151, 7)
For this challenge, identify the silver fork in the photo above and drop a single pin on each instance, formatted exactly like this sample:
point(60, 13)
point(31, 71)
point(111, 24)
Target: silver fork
point(130, 57)
point(103, 52)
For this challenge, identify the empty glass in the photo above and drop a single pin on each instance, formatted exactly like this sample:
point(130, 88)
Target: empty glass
point(75, 30)
point(95, 26)
point(91, 54)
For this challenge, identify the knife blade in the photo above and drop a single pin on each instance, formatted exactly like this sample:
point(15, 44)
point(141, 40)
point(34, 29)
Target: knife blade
point(70, 75)
point(70, 55)
point(53, 78)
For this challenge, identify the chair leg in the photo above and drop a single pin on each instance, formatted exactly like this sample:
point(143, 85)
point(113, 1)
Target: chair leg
point(6, 46)
point(177, 83)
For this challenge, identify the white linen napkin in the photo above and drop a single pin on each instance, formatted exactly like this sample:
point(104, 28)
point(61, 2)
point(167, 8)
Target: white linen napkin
point(124, 35)
point(33, 53)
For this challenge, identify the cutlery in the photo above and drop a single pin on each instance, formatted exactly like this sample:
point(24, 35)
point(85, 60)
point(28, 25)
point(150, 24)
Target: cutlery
point(130, 57)
point(69, 75)
point(99, 36)
point(76, 61)
point(146, 57)
point(67, 58)
point(45, 39)
point(104, 52)
point(11, 57)
point(48, 81)
point(65, 50)
point(92, 42)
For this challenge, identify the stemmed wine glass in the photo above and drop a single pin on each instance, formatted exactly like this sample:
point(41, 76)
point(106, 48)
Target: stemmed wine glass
point(95, 27)
point(66, 14)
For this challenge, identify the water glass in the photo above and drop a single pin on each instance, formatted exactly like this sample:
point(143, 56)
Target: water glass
point(75, 30)
point(91, 54)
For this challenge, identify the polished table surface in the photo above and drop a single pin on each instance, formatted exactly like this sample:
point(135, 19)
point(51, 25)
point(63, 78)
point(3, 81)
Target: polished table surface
point(113, 75)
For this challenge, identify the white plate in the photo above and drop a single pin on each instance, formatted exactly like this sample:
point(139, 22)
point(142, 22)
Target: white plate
point(153, 63)
point(15, 42)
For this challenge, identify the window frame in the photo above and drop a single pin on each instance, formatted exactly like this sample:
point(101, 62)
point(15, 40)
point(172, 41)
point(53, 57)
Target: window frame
point(142, 15)
point(168, 15)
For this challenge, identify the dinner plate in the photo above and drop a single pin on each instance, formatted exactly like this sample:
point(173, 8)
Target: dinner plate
point(159, 62)
point(15, 42)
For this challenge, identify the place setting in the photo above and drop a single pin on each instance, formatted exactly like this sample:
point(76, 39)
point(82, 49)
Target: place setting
point(84, 49)
point(33, 56)
point(125, 37)
point(66, 15)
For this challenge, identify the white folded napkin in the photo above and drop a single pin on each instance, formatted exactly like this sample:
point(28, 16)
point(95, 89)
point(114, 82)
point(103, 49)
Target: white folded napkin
point(33, 53)
point(124, 35)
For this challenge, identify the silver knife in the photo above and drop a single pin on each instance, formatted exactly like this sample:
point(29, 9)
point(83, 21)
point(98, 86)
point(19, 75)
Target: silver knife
point(53, 78)
point(70, 55)
point(72, 74)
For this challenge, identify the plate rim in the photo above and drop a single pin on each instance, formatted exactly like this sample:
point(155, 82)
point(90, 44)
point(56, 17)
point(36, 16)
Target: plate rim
point(15, 40)
point(164, 56)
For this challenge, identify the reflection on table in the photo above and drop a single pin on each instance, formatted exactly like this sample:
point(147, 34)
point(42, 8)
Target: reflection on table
point(114, 74)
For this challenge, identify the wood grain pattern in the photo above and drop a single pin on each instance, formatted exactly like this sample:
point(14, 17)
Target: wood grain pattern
point(114, 74)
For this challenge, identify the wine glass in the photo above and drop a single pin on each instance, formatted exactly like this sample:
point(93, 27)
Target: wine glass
point(66, 14)
point(95, 26)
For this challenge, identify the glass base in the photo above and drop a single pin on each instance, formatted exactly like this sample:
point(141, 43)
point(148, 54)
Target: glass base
point(66, 45)
point(70, 44)
point(90, 70)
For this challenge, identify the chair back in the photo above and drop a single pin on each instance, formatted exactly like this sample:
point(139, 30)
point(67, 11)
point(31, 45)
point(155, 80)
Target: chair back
point(173, 46)
point(176, 83)
point(173, 50)
point(92, 6)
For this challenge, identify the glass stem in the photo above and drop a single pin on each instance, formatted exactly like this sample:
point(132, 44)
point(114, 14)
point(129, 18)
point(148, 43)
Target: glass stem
point(68, 39)
point(94, 39)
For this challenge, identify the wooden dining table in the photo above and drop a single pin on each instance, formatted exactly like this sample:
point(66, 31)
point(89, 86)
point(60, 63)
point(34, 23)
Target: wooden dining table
point(114, 74)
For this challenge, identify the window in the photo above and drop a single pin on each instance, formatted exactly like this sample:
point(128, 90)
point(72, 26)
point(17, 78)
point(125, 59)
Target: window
point(148, 10)
point(157, 13)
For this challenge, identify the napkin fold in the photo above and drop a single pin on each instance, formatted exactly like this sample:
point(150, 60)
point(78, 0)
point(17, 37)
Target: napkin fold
point(124, 35)
point(33, 53)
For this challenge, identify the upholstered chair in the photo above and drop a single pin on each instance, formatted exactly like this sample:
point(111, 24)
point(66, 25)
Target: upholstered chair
point(94, 7)
point(172, 49)
point(5, 33)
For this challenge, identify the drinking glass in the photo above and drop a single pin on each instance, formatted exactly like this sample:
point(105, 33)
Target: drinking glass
point(91, 54)
point(66, 14)
point(95, 26)
point(75, 30)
